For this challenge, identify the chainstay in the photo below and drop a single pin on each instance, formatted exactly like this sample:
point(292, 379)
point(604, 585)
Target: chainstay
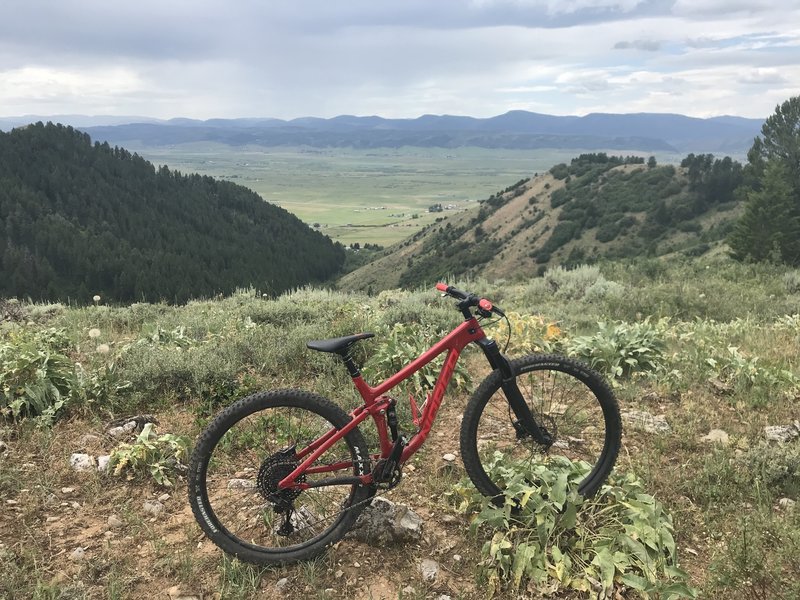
point(344, 510)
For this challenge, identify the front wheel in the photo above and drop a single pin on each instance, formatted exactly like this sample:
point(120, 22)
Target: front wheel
point(569, 400)
point(247, 449)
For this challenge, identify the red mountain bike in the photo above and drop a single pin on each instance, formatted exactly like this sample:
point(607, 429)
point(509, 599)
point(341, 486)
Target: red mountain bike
point(279, 476)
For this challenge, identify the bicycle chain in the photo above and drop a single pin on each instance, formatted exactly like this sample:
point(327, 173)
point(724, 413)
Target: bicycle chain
point(351, 507)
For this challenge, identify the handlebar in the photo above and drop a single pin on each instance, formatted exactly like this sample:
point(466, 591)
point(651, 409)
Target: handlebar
point(467, 300)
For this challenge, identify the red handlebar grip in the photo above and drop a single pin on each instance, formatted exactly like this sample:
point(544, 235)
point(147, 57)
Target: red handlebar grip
point(485, 304)
point(442, 287)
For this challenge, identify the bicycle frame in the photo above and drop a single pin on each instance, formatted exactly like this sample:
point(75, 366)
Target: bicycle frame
point(375, 405)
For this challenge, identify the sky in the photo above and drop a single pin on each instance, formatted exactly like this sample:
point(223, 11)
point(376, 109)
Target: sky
point(397, 58)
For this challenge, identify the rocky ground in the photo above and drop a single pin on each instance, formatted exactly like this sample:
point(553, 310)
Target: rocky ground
point(83, 532)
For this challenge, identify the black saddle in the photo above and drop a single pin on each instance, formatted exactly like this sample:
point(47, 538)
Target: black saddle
point(340, 345)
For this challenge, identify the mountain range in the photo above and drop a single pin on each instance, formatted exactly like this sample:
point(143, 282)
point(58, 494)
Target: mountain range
point(646, 132)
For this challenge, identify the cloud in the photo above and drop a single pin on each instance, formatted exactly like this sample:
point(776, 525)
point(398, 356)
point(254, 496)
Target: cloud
point(645, 45)
point(763, 77)
point(287, 59)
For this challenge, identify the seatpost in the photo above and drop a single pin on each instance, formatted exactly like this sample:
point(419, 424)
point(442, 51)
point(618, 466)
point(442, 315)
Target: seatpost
point(350, 364)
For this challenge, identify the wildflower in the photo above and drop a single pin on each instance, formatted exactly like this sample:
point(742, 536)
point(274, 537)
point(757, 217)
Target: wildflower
point(96, 298)
point(94, 332)
point(103, 349)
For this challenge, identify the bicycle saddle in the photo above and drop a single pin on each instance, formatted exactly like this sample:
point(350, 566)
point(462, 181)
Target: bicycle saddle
point(338, 345)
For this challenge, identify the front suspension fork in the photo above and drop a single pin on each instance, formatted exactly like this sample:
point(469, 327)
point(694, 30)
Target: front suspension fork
point(525, 424)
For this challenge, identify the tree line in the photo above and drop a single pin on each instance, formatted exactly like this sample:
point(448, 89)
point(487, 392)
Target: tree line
point(80, 219)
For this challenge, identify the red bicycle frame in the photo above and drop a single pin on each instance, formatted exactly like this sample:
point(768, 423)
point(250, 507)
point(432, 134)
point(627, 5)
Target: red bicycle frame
point(375, 405)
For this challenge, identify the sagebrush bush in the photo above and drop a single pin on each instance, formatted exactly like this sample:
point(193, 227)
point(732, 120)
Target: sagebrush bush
point(791, 280)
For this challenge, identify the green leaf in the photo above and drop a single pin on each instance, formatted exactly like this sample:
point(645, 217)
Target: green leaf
point(678, 590)
point(635, 582)
point(605, 561)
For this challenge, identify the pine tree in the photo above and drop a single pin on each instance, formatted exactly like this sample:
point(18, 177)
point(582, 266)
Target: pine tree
point(769, 229)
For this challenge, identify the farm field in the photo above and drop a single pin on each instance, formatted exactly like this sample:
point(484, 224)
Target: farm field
point(364, 196)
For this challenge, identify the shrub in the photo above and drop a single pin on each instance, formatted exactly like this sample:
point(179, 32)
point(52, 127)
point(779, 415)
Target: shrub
point(403, 344)
point(161, 456)
point(623, 348)
point(791, 280)
point(548, 535)
point(529, 333)
point(36, 377)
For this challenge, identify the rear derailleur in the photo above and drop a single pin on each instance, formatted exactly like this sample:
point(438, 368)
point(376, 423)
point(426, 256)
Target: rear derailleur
point(272, 471)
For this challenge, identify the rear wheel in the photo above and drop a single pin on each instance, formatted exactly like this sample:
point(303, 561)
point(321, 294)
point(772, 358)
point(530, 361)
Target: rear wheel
point(567, 398)
point(243, 454)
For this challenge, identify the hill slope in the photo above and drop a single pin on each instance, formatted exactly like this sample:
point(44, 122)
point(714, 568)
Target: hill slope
point(596, 207)
point(82, 219)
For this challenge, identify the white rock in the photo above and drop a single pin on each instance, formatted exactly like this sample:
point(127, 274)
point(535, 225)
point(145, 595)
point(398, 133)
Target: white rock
point(115, 522)
point(281, 584)
point(77, 555)
point(67, 490)
point(177, 593)
point(429, 569)
point(164, 497)
point(449, 457)
point(409, 590)
point(457, 557)
point(53, 519)
point(103, 462)
point(385, 522)
point(642, 420)
point(81, 462)
point(786, 504)
point(241, 484)
point(122, 430)
point(716, 436)
point(781, 433)
point(153, 507)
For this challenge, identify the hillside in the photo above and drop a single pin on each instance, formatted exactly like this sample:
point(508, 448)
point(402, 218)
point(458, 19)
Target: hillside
point(82, 219)
point(645, 132)
point(596, 207)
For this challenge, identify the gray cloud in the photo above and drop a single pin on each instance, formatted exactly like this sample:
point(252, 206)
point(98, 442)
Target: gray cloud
point(645, 45)
point(207, 58)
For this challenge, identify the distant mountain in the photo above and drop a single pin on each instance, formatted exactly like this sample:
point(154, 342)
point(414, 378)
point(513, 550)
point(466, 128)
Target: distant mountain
point(82, 219)
point(596, 207)
point(8, 123)
point(645, 132)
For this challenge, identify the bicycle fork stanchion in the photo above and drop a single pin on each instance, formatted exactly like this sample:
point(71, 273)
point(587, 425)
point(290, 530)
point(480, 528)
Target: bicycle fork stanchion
point(525, 424)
